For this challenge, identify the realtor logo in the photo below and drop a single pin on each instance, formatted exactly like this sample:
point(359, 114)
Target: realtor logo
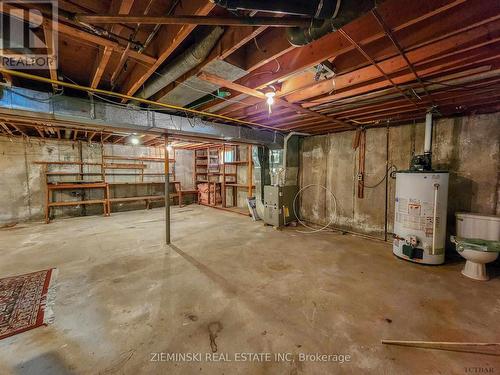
point(28, 34)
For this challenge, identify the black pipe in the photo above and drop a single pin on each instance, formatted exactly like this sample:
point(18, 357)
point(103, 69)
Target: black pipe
point(326, 15)
point(348, 10)
point(319, 9)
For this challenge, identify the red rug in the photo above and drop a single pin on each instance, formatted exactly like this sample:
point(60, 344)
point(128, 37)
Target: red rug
point(26, 302)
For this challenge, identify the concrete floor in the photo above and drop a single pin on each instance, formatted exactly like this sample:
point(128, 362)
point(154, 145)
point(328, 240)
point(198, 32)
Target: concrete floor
point(238, 286)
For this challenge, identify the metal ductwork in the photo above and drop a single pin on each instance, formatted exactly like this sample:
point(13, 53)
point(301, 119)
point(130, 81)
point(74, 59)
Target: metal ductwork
point(326, 15)
point(188, 60)
point(344, 12)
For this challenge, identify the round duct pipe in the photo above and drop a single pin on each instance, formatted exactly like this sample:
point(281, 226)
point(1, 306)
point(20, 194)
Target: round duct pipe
point(345, 11)
point(188, 60)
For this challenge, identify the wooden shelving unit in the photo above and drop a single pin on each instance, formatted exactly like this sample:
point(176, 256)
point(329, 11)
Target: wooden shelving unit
point(214, 167)
point(136, 167)
point(111, 166)
point(201, 165)
point(230, 179)
point(80, 183)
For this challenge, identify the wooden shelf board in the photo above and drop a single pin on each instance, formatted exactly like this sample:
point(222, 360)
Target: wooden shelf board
point(235, 162)
point(141, 183)
point(72, 174)
point(239, 185)
point(63, 186)
point(76, 203)
point(135, 174)
point(139, 158)
point(65, 163)
point(140, 198)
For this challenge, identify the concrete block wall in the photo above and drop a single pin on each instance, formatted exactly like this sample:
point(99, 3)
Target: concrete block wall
point(22, 182)
point(468, 147)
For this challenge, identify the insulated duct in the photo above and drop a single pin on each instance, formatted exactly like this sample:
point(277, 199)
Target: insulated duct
point(188, 60)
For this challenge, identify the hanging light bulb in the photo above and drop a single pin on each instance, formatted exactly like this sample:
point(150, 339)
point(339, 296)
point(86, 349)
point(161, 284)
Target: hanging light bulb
point(169, 148)
point(270, 99)
point(134, 140)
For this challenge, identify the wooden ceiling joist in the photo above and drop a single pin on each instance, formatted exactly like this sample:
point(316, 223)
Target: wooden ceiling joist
point(82, 35)
point(6, 128)
point(279, 102)
point(104, 54)
point(167, 40)
point(49, 42)
point(392, 63)
point(232, 39)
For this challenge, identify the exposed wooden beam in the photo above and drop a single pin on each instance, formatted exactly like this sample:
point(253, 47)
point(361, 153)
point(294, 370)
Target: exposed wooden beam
point(196, 20)
point(398, 47)
point(374, 63)
point(40, 132)
point(333, 44)
point(49, 42)
point(6, 128)
point(265, 49)
point(76, 33)
point(104, 55)
point(167, 40)
point(102, 60)
point(395, 64)
point(280, 102)
point(119, 139)
point(19, 130)
point(232, 39)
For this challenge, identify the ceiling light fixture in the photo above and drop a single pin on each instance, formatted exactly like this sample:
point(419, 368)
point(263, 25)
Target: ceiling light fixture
point(270, 99)
point(170, 148)
point(134, 140)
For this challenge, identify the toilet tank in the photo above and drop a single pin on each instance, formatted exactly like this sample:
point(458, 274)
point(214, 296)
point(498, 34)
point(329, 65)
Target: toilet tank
point(484, 227)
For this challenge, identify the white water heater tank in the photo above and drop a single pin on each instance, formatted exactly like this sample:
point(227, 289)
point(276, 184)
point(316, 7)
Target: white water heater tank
point(420, 216)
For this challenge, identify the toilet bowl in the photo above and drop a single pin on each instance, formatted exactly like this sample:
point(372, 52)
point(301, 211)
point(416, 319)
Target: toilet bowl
point(477, 257)
point(478, 241)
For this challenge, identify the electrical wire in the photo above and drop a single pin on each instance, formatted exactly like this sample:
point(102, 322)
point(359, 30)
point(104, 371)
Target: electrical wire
point(333, 209)
point(39, 100)
point(143, 64)
point(178, 82)
point(129, 97)
point(391, 168)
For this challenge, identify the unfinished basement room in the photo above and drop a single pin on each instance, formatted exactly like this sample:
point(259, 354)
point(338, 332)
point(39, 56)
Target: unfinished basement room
point(249, 187)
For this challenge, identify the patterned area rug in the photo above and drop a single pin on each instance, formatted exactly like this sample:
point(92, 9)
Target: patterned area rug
point(26, 301)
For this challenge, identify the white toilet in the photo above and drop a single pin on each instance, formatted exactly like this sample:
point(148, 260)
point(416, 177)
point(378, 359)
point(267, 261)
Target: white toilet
point(477, 241)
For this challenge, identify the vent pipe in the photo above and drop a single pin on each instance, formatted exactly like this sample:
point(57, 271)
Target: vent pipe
point(428, 134)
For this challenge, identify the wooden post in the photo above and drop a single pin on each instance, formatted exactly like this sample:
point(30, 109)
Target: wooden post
point(47, 194)
point(223, 187)
point(208, 174)
point(167, 193)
